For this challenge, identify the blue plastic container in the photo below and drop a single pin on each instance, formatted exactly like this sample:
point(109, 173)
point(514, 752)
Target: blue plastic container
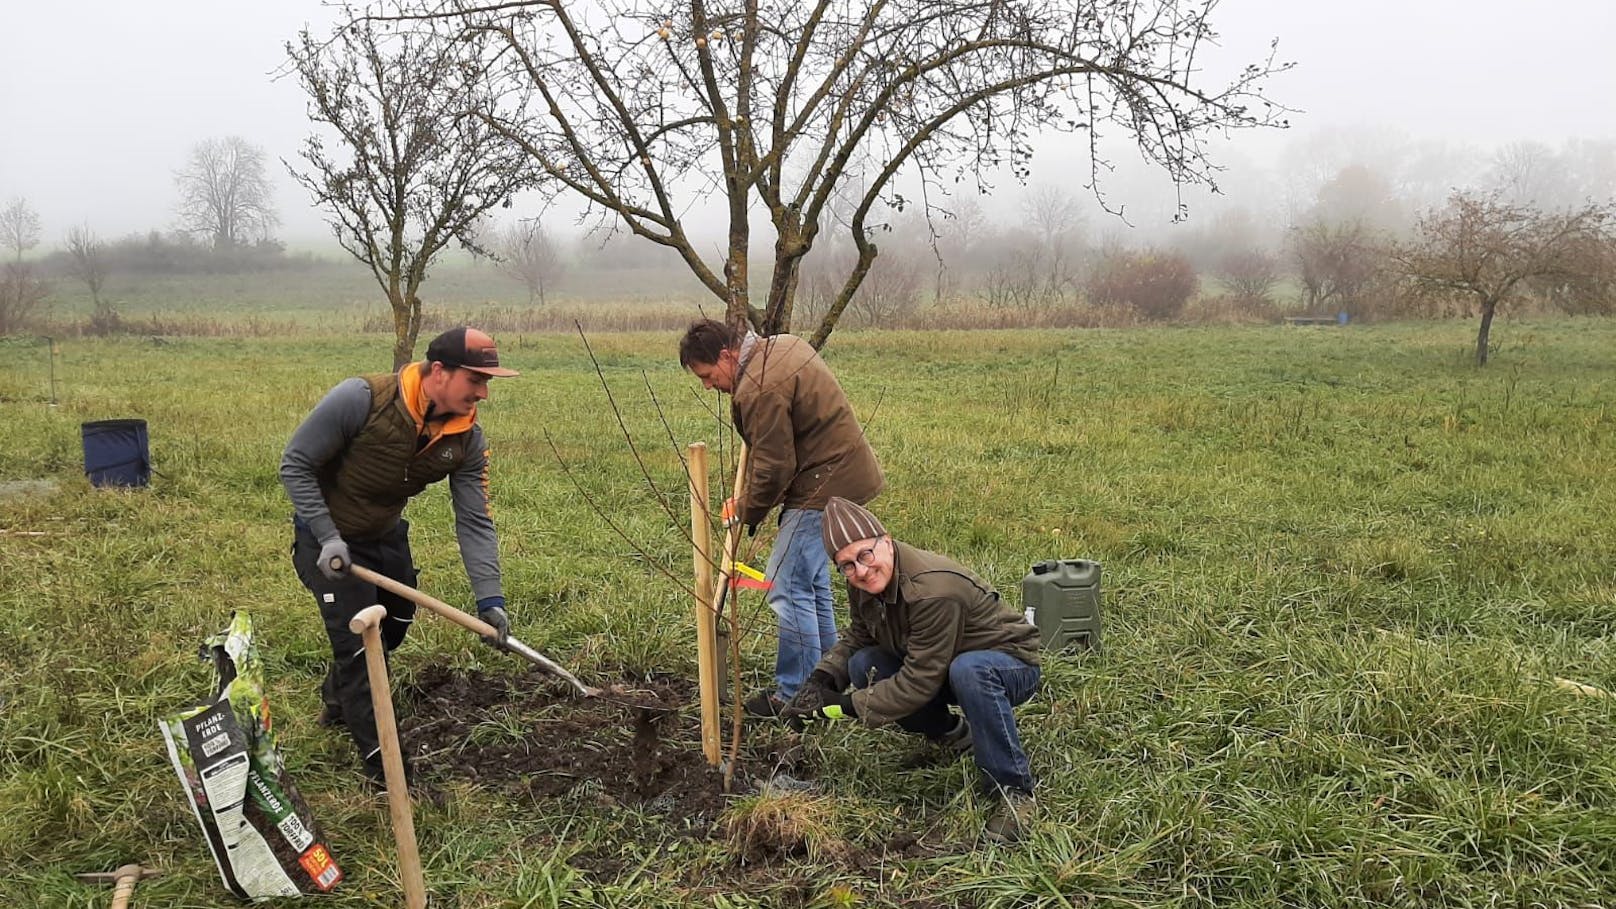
point(116, 453)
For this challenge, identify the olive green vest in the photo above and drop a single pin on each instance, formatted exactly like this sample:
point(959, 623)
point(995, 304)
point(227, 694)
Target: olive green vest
point(367, 486)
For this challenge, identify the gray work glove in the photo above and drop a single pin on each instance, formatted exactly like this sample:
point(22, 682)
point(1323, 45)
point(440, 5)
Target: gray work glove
point(492, 611)
point(334, 559)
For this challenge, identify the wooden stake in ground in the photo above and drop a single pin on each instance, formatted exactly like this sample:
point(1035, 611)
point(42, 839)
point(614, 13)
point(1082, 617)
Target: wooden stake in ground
point(707, 652)
point(367, 624)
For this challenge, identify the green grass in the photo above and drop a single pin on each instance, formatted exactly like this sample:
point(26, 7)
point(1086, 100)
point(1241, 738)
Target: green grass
point(1342, 571)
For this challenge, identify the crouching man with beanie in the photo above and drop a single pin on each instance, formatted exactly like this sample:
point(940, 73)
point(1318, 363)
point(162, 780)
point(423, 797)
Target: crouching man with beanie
point(365, 450)
point(927, 633)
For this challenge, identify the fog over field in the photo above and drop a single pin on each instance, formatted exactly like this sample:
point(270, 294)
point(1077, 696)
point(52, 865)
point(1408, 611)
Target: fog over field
point(103, 102)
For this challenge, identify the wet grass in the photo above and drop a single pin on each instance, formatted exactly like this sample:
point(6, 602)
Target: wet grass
point(1343, 569)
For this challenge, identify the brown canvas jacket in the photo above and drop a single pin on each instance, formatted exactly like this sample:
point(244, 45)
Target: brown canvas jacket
point(934, 610)
point(806, 443)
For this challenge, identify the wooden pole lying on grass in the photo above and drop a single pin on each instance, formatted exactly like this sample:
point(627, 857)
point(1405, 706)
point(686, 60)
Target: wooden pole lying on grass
point(367, 624)
point(123, 881)
point(707, 653)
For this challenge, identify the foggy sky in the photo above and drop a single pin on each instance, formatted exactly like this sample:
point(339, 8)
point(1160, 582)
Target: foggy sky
point(102, 100)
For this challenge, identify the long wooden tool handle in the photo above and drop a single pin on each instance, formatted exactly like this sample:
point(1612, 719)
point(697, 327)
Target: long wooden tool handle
point(458, 616)
point(367, 624)
point(471, 623)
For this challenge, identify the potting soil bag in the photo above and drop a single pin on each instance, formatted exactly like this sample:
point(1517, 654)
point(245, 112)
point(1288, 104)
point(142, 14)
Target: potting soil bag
point(258, 827)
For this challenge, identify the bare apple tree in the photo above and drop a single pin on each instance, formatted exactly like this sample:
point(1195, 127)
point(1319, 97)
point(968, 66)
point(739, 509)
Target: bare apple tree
point(1487, 249)
point(645, 111)
point(408, 169)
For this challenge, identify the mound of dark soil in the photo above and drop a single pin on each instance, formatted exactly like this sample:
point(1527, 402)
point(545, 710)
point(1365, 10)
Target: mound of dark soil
point(638, 744)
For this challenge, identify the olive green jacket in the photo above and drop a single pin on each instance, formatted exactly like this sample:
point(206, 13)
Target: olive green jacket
point(805, 442)
point(933, 610)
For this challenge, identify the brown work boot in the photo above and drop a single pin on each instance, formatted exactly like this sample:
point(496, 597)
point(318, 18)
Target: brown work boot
point(1011, 817)
point(764, 704)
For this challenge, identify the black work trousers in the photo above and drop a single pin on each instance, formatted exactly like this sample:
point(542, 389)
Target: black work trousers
point(346, 690)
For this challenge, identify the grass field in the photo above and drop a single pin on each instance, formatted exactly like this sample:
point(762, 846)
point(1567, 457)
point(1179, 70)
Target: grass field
point(1343, 569)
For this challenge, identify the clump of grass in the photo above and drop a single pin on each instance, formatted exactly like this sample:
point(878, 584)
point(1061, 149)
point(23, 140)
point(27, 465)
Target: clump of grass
point(781, 825)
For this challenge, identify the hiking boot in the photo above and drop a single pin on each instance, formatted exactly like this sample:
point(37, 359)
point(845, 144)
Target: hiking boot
point(958, 739)
point(1011, 817)
point(330, 717)
point(764, 704)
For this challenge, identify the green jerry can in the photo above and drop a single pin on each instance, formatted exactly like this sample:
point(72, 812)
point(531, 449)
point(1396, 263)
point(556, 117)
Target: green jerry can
point(1062, 597)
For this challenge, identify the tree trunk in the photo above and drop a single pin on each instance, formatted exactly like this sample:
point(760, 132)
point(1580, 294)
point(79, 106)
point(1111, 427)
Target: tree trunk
point(1487, 309)
point(403, 336)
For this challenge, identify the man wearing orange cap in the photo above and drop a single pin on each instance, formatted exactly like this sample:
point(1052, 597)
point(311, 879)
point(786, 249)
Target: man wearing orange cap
point(369, 446)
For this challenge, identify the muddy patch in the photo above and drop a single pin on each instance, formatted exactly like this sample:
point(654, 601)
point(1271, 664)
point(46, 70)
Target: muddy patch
point(530, 734)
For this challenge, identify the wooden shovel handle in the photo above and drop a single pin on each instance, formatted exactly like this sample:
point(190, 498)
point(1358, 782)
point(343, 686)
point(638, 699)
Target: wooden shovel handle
point(458, 616)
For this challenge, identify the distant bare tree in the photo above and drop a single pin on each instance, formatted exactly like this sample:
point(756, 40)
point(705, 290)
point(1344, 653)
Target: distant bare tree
point(1250, 275)
point(1053, 214)
point(1338, 263)
point(890, 291)
point(21, 291)
point(19, 228)
point(642, 110)
point(524, 252)
point(961, 231)
point(1485, 248)
point(411, 169)
point(87, 259)
point(1526, 173)
point(225, 194)
point(1027, 279)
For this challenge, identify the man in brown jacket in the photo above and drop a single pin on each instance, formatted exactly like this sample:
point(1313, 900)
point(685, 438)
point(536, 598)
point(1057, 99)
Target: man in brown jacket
point(925, 632)
point(805, 445)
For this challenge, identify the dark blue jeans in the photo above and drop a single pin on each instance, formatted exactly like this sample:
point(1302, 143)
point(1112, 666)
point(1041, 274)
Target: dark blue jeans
point(986, 684)
point(800, 597)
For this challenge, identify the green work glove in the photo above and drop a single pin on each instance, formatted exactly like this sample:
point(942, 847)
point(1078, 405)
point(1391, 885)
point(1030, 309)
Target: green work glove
point(816, 703)
point(837, 706)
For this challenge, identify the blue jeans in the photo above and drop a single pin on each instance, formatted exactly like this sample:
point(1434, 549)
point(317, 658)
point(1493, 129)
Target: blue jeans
point(800, 598)
point(986, 684)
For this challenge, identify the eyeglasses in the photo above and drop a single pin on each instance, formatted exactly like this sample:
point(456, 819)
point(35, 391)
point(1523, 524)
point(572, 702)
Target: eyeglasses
point(865, 557)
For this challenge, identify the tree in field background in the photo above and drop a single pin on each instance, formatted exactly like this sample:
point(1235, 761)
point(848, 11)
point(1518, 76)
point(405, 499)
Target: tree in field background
point(401, 166)
point(768, 109)
point(1488, 250)
point(87, 261)
point(526, 252)
point(225, 194)
point(21, 291)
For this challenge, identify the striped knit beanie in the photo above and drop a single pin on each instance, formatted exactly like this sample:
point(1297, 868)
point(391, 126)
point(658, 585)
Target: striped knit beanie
point(848, 522)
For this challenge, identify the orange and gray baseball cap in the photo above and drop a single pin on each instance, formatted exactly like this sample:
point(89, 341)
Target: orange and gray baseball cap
point(467, 348)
